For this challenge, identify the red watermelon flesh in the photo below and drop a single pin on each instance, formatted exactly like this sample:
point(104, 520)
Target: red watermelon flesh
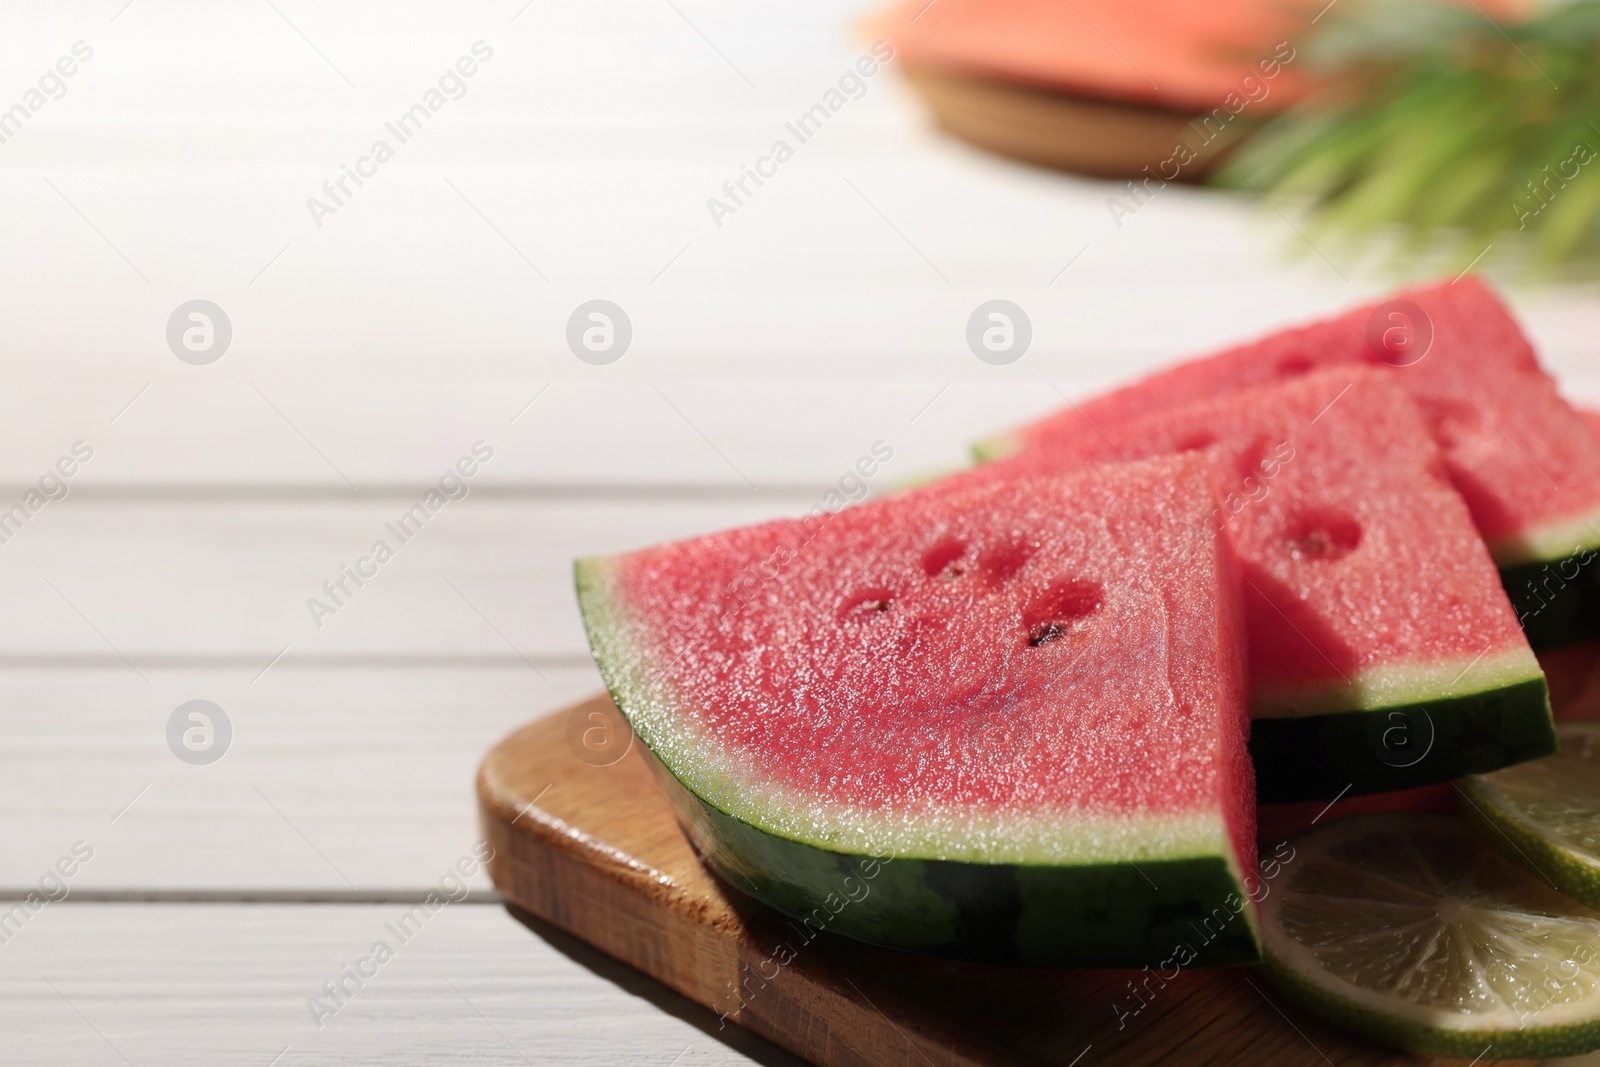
point(1524, 461)
point(1360, 560)
point(1034, 677)
point(1366, 587)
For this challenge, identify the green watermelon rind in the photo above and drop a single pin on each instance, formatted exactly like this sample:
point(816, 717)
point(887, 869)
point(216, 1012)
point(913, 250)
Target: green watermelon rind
point(1125, 910)
point(1554, 541)
point(1320, 757)
point(1082, 915)
point(992, 448)
point(1400, 685)
point(1318, 742)
point(1556, 600)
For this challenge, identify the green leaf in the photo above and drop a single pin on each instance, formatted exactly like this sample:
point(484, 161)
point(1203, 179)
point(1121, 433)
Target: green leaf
point(1439, 122)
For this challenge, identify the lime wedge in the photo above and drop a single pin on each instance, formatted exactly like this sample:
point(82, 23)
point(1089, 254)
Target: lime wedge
point(1410, 931)
point(1545, 815)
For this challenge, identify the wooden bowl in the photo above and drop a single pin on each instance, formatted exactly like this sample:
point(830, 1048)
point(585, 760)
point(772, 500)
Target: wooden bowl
point(1064, 131)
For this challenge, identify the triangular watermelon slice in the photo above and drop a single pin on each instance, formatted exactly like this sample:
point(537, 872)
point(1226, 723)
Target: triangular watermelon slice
point(1526, 463)
point(1004, 724)
point(1383, 651)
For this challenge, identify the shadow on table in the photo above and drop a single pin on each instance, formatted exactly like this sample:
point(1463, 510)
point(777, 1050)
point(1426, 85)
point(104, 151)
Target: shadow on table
point(668, 1000)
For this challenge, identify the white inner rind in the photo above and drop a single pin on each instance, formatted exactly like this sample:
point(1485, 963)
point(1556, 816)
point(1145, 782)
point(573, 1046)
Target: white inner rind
point(1548, 542)
point(720, 777)
point(1397, 685)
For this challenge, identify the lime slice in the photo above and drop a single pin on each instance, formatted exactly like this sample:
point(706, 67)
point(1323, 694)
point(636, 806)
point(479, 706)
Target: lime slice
point(1545, 815)
point(1410, 931)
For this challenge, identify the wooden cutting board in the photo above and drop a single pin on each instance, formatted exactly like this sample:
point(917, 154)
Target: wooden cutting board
point(583, 839)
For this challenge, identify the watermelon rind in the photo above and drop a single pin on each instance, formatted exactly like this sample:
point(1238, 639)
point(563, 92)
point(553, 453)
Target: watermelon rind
point(1121, 913)
point(997, 447)
point(1400, 685)
point(1552, 542)
point(926, 476)
point(1399, 727)
point(1043, 891)
point(1401, 746)
point(1557, 601)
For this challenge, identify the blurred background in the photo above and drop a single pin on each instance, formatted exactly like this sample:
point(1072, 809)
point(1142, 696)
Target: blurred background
point(273, 271)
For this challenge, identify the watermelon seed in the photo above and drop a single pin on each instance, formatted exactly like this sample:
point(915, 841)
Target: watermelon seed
point(1059, 611)
point(1041, 633)
point(867, 604)
point(945, 559)
point(1324, 536)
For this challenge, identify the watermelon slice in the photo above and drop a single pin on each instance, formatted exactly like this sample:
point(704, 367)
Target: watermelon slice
point(1526, 463)
point(1004, 724)
point(1227, 52)
point(1383, 652)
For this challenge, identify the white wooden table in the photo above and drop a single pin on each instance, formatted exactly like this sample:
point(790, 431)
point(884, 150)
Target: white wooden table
point(425, 314)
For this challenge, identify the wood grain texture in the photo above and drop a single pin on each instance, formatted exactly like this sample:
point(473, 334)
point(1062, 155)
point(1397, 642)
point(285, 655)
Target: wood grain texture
point(597, 851)
point(1052, 128)
point(226, 985)
point(338, 782)
point(488, 577)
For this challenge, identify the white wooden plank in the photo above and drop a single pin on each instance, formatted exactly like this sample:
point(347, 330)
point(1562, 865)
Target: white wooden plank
point(342, 783)
point(387, 434)
point(221, 985)
point(397, 435)
point(488, 576)
point(407, 326)
point(93, 984)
